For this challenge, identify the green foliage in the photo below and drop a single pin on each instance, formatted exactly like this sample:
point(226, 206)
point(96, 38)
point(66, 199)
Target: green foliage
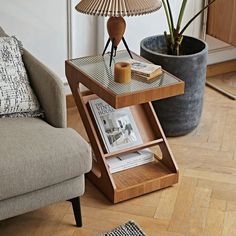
point(175, 36)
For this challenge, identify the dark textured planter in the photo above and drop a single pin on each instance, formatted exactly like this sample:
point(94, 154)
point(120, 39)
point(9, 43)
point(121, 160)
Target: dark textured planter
point(180, 115)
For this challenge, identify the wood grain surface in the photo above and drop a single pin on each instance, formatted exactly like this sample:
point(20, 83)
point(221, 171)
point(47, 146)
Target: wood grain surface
point(203, 203)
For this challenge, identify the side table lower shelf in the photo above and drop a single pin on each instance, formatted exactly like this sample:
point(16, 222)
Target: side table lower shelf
point(135, 181)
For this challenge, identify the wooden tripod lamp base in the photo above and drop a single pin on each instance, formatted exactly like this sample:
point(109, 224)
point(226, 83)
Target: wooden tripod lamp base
point(116, 29)
point(116, 10)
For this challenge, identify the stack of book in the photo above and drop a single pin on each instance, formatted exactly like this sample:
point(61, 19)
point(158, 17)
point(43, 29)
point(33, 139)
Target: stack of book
point(119, 131)
point(145, 70)
point(130, 160)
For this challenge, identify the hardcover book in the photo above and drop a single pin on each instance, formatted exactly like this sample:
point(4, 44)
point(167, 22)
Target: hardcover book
point(147, 70)
point(117, 126)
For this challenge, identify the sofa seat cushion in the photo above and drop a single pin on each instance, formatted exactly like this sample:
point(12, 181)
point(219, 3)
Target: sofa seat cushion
point(34, 155)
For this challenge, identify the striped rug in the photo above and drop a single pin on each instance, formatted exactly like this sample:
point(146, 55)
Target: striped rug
point(128, 229)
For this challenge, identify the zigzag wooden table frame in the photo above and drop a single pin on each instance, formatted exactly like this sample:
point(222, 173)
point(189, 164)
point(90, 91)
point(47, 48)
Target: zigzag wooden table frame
point(94, 73)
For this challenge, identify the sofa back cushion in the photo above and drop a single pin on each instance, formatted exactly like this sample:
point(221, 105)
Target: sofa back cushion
point(16, 96)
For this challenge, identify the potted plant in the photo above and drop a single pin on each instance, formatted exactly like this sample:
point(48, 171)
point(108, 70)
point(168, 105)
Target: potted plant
point(186, 58)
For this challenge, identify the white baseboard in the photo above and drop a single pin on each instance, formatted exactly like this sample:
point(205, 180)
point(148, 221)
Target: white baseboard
point(219, 51)
point(67, 88)
point(225, 54)
point(68, 91)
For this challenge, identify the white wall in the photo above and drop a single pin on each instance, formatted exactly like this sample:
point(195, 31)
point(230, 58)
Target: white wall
point(140, 27)
point(84, 33)
point(42, 28)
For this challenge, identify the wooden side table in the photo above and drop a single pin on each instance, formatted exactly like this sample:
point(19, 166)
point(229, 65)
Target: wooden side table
point(94, 73)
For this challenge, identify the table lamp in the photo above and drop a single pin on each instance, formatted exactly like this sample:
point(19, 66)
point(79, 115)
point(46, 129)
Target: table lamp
point(116, 10)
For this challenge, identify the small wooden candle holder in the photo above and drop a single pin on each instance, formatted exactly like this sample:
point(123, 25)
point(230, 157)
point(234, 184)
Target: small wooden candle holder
point(122, 72)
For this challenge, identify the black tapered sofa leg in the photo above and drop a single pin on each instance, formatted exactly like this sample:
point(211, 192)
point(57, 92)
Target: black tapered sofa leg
point(77, 211)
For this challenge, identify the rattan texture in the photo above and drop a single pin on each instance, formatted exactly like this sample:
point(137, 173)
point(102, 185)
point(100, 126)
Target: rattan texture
point(118, 7)
point(128, 229)
point(97, 68)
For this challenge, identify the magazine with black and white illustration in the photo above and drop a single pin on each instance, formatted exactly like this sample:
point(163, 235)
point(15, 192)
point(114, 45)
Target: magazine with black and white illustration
point(117, 126)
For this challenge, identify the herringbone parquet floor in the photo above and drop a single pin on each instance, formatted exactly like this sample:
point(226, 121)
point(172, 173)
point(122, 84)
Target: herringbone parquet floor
point(203, 203)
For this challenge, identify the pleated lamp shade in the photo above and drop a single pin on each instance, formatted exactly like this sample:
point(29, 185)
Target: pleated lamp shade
point(117, 8)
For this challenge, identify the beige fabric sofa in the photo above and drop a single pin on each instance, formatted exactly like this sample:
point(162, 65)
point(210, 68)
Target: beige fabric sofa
point(41, 161)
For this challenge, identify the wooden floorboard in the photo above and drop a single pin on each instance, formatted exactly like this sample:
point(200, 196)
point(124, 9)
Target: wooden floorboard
point(225, 83)
point(202, 203)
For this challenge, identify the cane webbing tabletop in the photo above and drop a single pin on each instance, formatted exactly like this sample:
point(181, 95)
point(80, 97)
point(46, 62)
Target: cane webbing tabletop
point(97, 71)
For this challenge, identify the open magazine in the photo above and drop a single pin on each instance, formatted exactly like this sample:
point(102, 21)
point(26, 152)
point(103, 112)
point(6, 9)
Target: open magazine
point(117, 126)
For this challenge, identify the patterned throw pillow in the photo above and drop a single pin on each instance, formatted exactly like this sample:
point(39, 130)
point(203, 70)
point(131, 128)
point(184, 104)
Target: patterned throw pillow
point(16, 96)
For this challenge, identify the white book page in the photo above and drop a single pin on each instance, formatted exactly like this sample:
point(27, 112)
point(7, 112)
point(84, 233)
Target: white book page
point(132, 165)
point(129, 158)
point(143, 67)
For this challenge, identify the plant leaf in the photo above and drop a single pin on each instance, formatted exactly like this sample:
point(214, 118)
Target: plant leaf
point(181, 14)
point(169, 22)
point(192, 19)
point(171, 16)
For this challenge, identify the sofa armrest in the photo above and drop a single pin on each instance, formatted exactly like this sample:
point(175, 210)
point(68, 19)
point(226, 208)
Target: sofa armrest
point(48, 89)
point(2, 32)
